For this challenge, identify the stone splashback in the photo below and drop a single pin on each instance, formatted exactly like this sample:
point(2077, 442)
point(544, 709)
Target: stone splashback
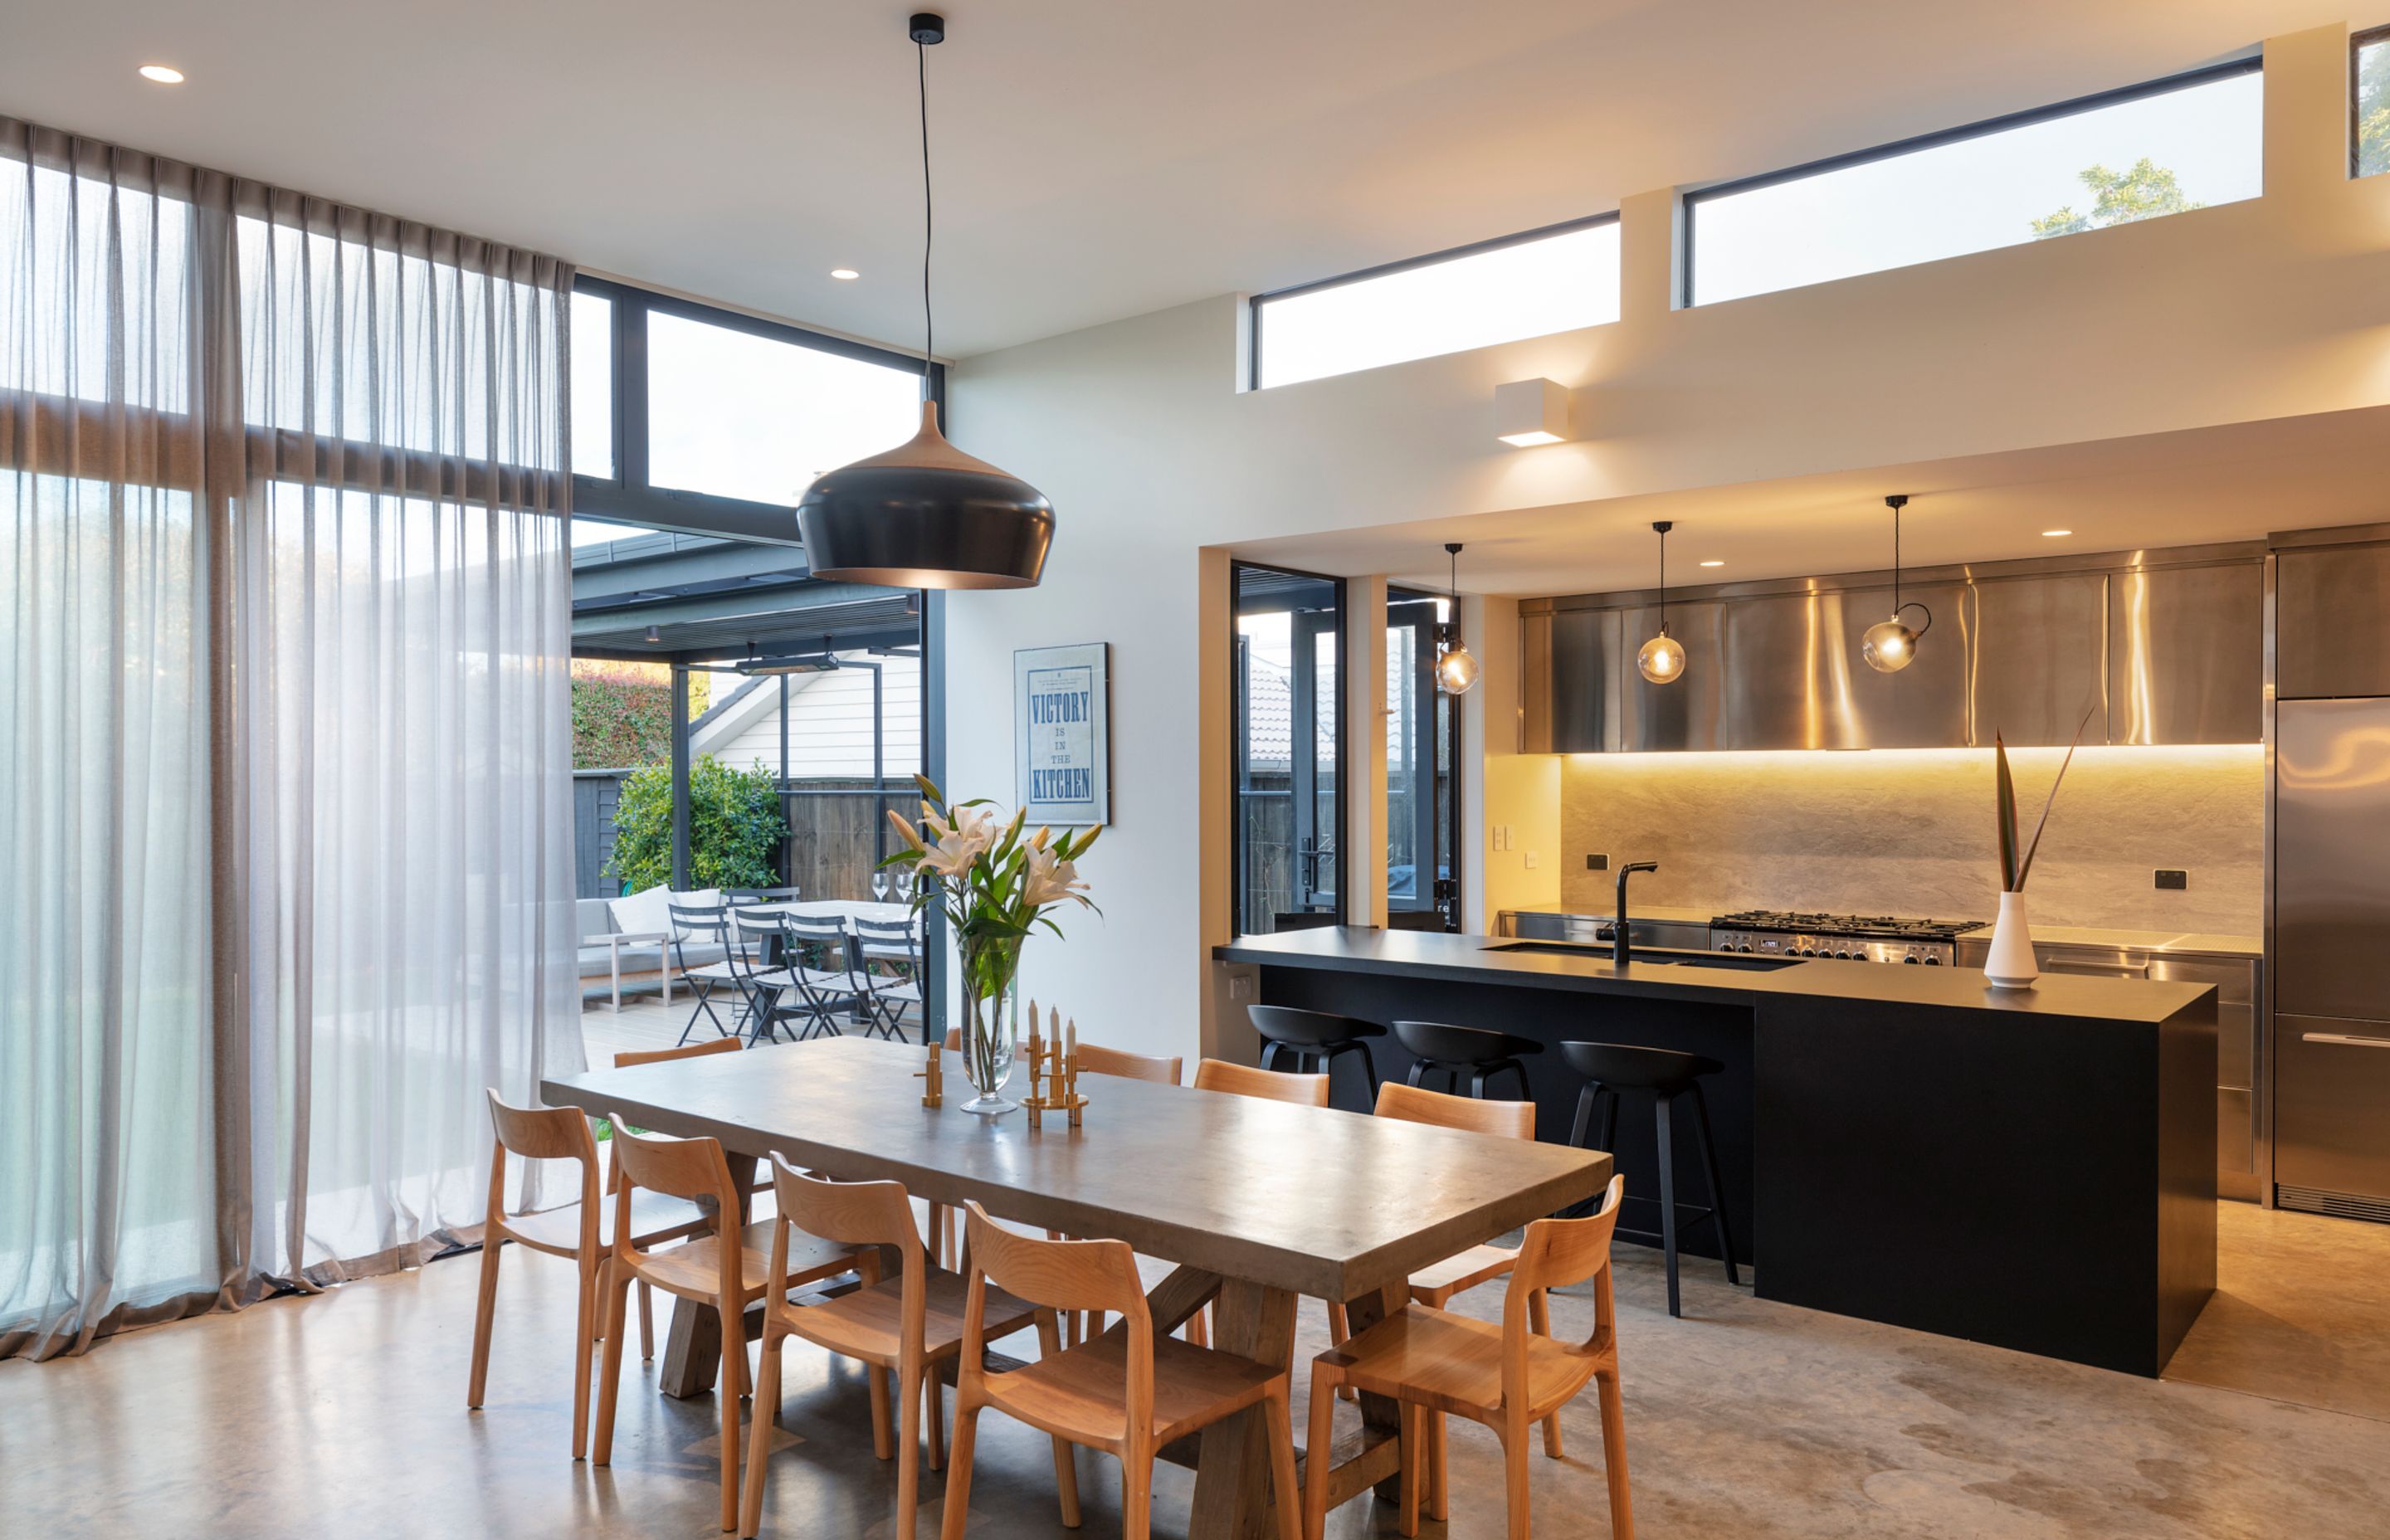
point(1911, 832)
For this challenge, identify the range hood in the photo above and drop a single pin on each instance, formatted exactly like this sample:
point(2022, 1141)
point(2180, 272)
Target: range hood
point(2166, 646)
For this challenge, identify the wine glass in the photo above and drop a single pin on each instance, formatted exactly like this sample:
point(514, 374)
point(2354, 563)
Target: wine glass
point(879, 886)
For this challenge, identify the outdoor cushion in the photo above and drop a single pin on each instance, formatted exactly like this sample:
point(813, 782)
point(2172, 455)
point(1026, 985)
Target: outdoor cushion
point(651, 911)
point(594, 918)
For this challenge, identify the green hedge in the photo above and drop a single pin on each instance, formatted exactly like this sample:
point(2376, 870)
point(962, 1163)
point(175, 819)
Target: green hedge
point(734, 824)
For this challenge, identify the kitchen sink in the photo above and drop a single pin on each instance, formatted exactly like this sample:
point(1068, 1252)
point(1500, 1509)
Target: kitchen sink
point(1649, 960)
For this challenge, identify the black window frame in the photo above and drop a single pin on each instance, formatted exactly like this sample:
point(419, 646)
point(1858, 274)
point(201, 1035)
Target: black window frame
point(628, 495)
point(1443, 726)
point(2358, 44)
point(1254, 304)
point(2250, 64)
point(1237, 569)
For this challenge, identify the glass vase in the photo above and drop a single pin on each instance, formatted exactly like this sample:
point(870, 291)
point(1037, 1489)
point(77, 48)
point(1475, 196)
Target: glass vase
point(991, 1024)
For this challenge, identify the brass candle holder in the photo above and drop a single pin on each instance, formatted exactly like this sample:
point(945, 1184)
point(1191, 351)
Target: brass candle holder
point(1054, 1064)
point(933, 1076)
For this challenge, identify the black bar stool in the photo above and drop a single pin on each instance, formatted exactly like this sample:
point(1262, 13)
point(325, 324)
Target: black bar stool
point(1611, 1070)
point(1480, 1052)
point(1311, 1040)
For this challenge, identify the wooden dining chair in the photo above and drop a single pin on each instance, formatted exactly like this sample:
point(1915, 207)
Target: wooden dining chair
point(728, 1269)
point(1128, 1391)
point(911, 1324)
point(1465, 1270)
point(1242, 1080)
point(577, 1231)
point(1096, 1060)
point(661, 1055)
point(1505, 1376)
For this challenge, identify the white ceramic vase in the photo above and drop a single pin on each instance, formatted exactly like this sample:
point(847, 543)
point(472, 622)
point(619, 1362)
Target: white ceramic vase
point(2011, 964)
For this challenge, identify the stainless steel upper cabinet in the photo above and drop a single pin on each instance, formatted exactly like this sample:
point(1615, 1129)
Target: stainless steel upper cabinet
point(1924, 705)
point(1690, 712)
point(2332, 622)
point(1787, 674)
point(1584, 690)
point(2039, 659)
point(2185, 654)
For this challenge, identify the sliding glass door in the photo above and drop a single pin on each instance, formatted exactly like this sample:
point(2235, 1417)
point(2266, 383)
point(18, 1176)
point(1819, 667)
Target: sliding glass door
point(1289, 785)
point(1421, 889)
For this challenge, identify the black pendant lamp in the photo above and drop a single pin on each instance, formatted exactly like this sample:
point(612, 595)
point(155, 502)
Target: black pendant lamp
point(924, 514)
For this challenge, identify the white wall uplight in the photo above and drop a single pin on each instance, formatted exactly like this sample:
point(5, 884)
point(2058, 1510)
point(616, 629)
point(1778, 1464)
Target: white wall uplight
point(1530, 412)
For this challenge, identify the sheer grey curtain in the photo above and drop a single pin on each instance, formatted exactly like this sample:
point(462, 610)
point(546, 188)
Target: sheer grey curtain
point(285, 786)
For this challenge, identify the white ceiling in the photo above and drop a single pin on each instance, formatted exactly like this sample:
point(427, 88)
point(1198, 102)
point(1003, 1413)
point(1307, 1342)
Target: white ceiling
point(1096, 158)
point(2188, 488)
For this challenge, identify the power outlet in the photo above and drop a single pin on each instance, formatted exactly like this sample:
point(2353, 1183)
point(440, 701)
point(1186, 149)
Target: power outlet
point(1241, 986)
point(1598, 863)
point(2171, 880)
point(1531, 860)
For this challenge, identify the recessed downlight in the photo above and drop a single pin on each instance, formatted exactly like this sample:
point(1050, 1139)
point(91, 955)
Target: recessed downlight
point(844, 273)
point(2054, 534)
point(163, 74)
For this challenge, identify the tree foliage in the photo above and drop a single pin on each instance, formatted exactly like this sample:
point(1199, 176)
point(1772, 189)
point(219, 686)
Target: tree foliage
point(2372, 109)
point(2145, 191)
point(734, 822)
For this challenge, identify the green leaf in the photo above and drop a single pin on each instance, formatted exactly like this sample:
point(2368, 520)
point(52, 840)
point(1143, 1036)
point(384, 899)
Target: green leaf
point(2004, 808)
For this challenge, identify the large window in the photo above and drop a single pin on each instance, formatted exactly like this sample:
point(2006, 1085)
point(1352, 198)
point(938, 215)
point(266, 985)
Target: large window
point(2369, 129)
point(1498, 291)
point(1289, 797)
point(2163, 148)
point(702, 420)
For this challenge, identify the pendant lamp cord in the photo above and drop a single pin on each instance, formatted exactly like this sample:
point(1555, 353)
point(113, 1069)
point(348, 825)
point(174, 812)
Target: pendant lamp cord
point(929, 324)
point(1663, 582)
point(1896, 561)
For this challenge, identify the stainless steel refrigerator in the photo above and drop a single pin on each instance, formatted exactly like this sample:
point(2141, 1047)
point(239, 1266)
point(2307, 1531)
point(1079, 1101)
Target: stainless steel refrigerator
point(2331, 956)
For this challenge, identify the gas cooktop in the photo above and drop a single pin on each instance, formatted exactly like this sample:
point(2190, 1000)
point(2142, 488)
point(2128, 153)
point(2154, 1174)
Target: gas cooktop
point(1853, 938)
point(1887, 926)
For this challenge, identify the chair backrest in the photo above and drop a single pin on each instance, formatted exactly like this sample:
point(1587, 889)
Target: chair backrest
point(753, 928)
point(890, 935)
point(1512, 1120)
point(1560, 1253)
point(692, 1050)
point(543, 1132)
point(698, 920)
point(1062, 1274)
point(1218, 1075)
point(694, 1168)
point(1096, 1060)
point(953, 1040)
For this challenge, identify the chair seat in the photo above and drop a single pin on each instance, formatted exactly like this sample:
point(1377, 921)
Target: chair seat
point(1454, 1363)
point(869, 1323)
point(817, 980)
point(724, 972)
point(1081, 1394)
point(897, 988)
point(692, 1269)
point(655, 1217)
point(1465, 1271)
point(1449, 1044)
point(1628, 1067)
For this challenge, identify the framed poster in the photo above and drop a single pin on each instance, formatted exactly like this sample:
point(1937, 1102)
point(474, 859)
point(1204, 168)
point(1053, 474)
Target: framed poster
point(1061, 726)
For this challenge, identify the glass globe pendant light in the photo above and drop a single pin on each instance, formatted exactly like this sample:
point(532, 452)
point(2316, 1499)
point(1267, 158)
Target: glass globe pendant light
point(1455, 671)
point(1663, 658)
point(924, 514)
point(1889, 645)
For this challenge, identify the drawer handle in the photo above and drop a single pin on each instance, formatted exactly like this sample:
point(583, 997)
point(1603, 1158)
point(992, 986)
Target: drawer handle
point(2344, 1039)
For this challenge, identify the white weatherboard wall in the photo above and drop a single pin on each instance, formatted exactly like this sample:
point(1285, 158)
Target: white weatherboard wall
point(2275, 307)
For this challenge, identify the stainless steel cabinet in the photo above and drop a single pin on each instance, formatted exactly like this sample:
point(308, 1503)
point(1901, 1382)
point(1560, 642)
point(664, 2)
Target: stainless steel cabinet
point(2040, 659)
point(1689, 713)
point(2185, 654)
point(2330, 634)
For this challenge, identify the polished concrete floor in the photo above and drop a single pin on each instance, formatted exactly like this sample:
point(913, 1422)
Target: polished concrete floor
point(343, 1416)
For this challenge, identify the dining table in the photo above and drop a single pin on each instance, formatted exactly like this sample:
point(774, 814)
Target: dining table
point(1256, 1203)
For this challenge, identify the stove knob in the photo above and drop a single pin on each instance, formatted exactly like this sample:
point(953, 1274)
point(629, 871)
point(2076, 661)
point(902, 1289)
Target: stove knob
point(1910, 959)
point(1744, 947)
point(1933, 962)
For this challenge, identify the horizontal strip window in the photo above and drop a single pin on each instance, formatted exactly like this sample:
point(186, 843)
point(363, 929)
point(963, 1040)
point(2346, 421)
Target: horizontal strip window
point(1530, 285)
point(707, 421)
point(2164, 147)
point(2369, 102)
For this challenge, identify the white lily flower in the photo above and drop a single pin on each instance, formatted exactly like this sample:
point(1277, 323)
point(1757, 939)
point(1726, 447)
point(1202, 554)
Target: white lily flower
point(1051, 881)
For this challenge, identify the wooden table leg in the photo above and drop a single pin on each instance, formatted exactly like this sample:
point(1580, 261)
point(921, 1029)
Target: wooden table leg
point(1379, 1412)
point(1232, 1469)
point(693, 1342)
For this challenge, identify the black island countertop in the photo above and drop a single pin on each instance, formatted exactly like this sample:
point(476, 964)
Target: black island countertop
point(2034, 1168)
point(1704, 975)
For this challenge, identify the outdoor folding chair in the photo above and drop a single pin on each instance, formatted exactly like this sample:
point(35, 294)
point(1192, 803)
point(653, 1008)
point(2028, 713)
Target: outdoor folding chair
point(759, 937)
point(822, 990)
point(897, 943)
point(701, 926)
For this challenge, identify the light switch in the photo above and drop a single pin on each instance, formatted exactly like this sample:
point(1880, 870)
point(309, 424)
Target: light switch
point(1531, 860)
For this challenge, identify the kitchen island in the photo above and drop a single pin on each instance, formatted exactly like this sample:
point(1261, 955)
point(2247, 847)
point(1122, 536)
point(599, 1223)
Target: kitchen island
point(2031, 1168)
